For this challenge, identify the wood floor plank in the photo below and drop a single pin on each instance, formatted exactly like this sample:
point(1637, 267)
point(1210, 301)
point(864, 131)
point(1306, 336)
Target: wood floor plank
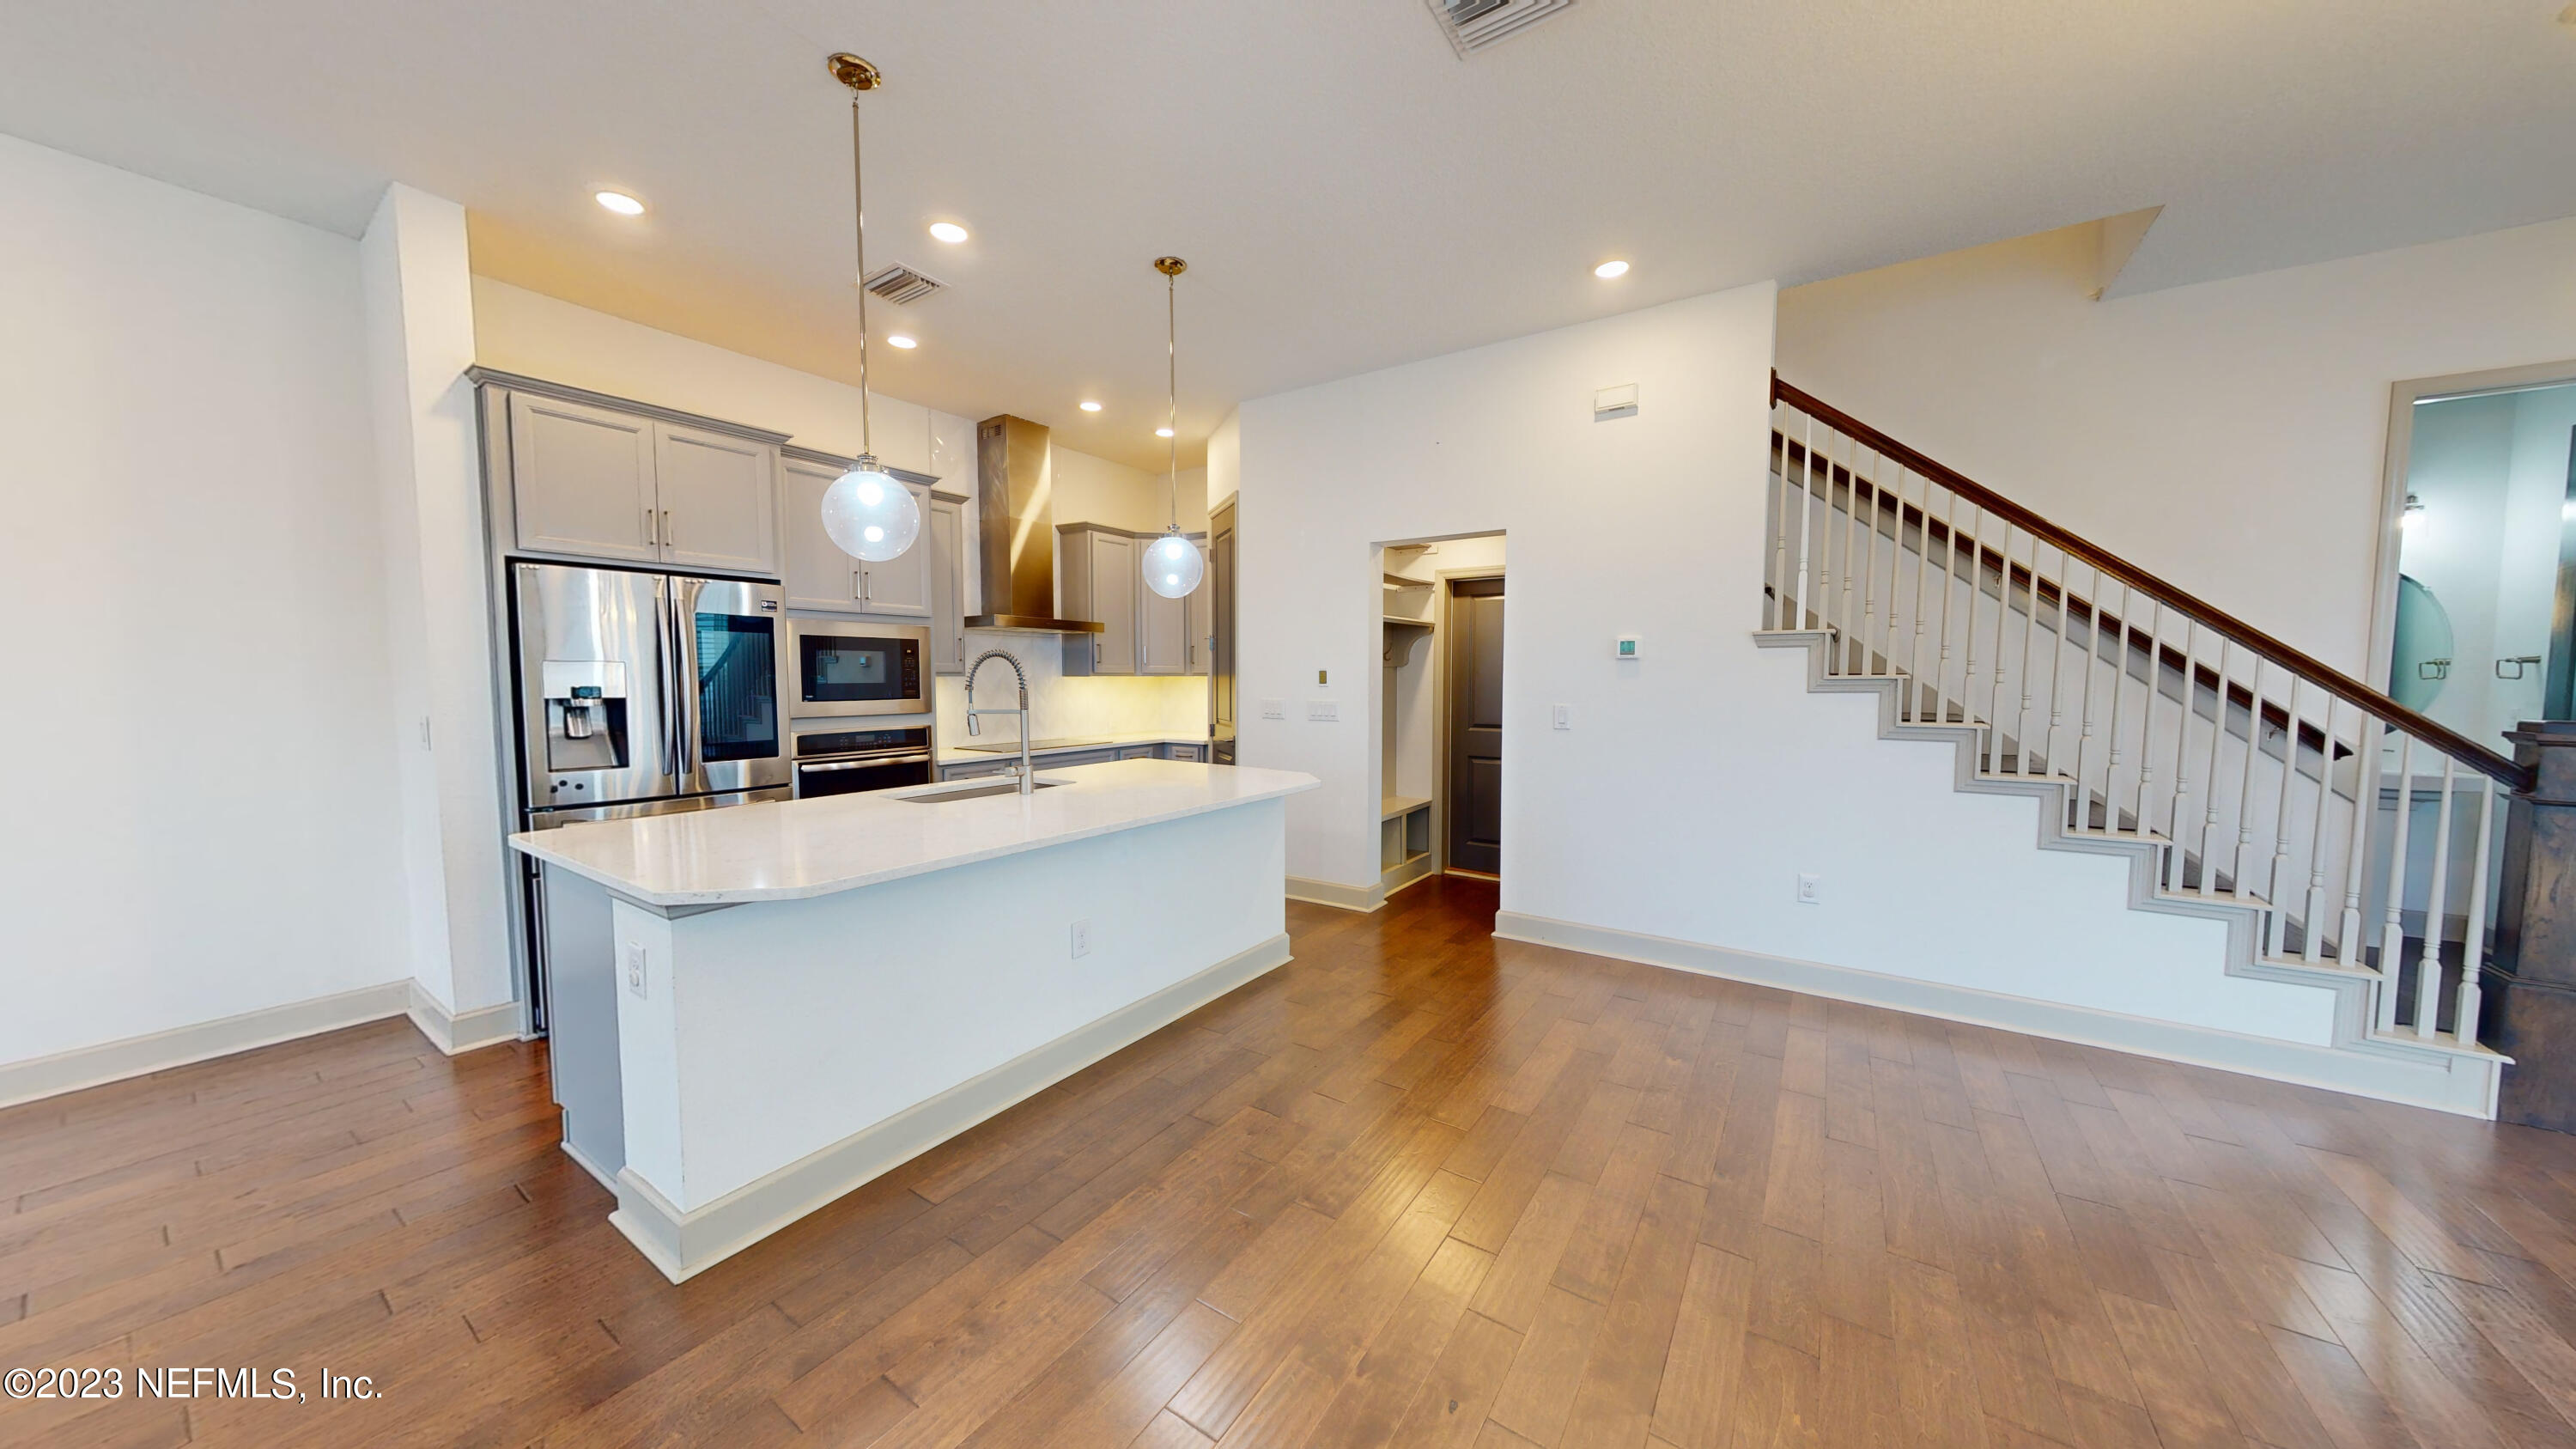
point(1416, 1187)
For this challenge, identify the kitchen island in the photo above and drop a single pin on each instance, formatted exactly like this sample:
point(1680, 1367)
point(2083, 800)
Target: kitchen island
point(803, 995)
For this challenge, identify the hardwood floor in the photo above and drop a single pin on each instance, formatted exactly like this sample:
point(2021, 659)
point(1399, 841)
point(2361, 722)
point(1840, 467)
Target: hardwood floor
point(1418, 1187)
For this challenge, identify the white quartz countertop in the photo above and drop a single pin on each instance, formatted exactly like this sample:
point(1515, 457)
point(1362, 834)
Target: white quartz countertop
point(799, 848)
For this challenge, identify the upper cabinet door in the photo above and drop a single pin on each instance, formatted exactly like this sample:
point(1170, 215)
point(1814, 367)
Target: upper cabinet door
point(1161, 627)
point(581, 480)
point(901, 585)
point(819, 575)
point(719, 499)
point(1199, 615)
point(947, 532)
point(1113, 601)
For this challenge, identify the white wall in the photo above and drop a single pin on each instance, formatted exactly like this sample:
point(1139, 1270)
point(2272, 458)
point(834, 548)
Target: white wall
point(201, 821)
point(2230, 437)
point(1697, 782)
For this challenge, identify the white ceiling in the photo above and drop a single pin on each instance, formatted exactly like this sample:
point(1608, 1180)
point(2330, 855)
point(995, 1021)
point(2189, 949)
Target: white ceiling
point(1349, 193)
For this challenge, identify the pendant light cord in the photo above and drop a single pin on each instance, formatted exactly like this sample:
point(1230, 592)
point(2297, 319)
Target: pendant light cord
point(859, 212)
point(1172, 380)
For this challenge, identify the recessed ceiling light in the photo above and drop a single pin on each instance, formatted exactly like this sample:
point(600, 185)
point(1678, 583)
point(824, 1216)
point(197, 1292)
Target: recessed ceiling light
point(1089, 406)
point(948, 231)
point(899, 340)
point(1607, 270)
point(1162, 432)
point(619, 202)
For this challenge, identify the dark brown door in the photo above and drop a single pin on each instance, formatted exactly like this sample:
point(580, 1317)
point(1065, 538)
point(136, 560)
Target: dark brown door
point(1221, 700)
point(1476, 724)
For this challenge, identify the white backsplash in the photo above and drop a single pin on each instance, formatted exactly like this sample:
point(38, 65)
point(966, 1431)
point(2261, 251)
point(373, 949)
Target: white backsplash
point(1061, 708)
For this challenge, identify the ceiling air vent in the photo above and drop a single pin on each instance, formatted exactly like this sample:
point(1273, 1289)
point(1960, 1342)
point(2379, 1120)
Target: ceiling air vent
point(1475, 24)
point(901, 284)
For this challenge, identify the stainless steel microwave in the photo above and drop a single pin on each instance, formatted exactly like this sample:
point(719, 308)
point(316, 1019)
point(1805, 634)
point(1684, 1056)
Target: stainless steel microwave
point(846, 668)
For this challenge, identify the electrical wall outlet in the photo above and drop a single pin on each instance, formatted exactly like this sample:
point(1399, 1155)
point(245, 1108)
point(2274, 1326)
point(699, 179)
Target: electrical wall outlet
point(1081, 939)
point(1560, 716)
point(1274, 709)
point(635, 972)
point(1323, 709)
point(1811, 890)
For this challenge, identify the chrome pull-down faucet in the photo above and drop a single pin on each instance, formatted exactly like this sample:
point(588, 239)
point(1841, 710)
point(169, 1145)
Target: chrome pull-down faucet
point(1028, 776)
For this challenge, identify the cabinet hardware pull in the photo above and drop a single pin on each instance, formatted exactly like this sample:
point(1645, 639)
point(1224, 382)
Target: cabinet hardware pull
point(651, 533)
point(668, 537)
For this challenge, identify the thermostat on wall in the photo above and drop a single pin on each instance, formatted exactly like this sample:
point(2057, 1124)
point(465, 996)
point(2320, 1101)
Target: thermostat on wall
point(1627, 647)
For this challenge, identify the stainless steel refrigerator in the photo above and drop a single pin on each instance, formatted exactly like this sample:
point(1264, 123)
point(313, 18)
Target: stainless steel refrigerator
point(638, 694)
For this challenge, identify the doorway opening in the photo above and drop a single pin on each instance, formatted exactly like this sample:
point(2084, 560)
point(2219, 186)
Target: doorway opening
point(1439, 710)
point(2479, 604)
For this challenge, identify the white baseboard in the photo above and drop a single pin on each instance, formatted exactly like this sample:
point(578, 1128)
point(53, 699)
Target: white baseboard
point(1333, 893)
point(683, 1244)
point(136, 1056)
point(2458, 1084)
point(464, 1031)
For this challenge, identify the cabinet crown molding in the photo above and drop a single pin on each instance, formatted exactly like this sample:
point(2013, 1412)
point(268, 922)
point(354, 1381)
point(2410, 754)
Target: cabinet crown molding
point(485, 377)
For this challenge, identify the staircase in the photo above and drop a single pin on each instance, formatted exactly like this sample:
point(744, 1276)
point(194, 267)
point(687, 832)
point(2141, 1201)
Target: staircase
point(2349, 843)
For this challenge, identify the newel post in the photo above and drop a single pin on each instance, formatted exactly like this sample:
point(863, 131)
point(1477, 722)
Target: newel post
point(2530, 984)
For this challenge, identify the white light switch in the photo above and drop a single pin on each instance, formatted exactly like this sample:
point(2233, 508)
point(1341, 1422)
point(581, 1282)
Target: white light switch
point(1323, 709)
point(1081, 939)
point(1560, 716)
point(1811, 890)
point(1274, 709)
point(635, 973)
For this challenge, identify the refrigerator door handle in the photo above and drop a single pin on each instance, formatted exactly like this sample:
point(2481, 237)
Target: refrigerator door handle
point(684, 676)
point(663, 665)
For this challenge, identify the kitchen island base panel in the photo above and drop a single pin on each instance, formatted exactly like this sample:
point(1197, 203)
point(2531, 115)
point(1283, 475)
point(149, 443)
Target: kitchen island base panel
point(684, 1244)
point(780, 1054)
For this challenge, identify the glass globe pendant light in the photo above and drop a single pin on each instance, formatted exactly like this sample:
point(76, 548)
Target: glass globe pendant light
point(1172, 564)
point(867, 512)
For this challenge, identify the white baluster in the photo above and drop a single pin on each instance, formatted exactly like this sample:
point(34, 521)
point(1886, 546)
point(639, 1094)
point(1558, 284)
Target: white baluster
point(2147, 720)
point(2437, 900)
point(1922, 574)
point(1995, 691)
point(2276, 887)
point(2182, 736)
point(1807, 506)
point(2118, 707)
point(2029, 640)
point(1966, 676)
point(2473, 950)
point(2245, 787)
point(2057, 643)
point(1871, 662)
point(1778, 607)
point(1968, 636)
point(2392, 926)
point(1851, 527)
point(2313, 948)
point(2349, 950)
point(2091, 665)
point(2209, 820)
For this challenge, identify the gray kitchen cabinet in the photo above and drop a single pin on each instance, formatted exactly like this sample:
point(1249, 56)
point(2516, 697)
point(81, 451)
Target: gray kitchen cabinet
point(901, 585)
point(1198, 615)
point(1099, 583)
point(977, 769)
point(581, 480)
point(818, 576)
point(590, 478)
point(719, 500)
point(1140, 752)
point(1194, 754)
point(947, 586)
point(1162, 627)
point(821, 578)
point(1071, 758)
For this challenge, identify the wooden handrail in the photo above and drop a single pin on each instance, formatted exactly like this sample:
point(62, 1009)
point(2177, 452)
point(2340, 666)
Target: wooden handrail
point(2310, 669)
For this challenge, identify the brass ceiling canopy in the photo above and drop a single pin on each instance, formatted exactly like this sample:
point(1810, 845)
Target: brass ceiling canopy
point(854, 72)
point(1170, 266)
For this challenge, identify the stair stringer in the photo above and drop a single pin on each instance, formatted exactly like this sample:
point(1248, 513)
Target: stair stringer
point(2354, 988)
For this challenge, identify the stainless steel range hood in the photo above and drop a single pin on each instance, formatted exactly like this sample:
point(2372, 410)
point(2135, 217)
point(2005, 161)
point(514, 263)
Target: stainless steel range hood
point(1016, 509)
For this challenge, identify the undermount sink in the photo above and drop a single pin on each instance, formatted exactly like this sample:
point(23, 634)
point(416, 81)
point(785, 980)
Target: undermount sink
point(936, 797)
